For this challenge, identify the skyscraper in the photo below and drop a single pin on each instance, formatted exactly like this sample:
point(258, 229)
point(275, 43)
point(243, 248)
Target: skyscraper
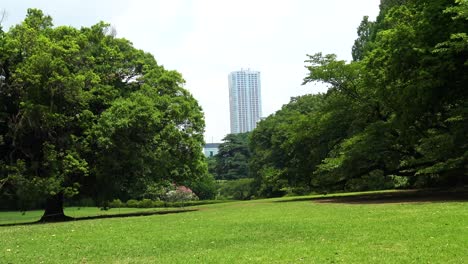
point(244, 100)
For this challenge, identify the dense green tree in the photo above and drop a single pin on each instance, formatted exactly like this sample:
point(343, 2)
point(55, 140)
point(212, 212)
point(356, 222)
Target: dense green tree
point(276, 150)
point(83, 111)
point(416, 93)
point(240, 189)
point(396, 116)
point(361, 44)
point(211, 162)
point(232, 160)
point(414, 59)
point(204, 187)
point(288, 147)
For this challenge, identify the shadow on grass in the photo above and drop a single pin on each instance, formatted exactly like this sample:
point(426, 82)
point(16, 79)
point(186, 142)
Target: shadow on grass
point(70, 219)
point(404, 196)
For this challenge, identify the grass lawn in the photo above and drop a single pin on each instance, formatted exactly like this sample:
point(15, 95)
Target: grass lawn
point(262, 231)
point(76, 212)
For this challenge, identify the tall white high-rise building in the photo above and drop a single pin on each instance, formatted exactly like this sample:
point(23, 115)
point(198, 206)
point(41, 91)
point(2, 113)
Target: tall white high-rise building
point(244, 100)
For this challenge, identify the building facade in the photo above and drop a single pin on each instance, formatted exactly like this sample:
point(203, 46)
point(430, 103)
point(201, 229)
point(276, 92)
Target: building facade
point(211, 149)
point(244, 100)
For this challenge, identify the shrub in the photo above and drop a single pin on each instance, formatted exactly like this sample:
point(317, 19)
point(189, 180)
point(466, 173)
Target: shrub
point(132, 203)
point(205, 188)
point(240, 189)
point(116, 203)
point(145, 203)
point(180, 194)
point(375, 180)
point(400, 182)
point(158, 204)
point(156, 191)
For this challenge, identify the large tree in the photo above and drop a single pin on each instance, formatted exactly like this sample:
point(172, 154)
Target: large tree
point(394, 116)
point(232, 160)
point(417, 69)
point(411, 76)
point(84, 111)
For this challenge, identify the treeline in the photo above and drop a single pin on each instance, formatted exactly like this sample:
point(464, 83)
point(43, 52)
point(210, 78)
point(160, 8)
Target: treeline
point(83, 112)
point(394, 117)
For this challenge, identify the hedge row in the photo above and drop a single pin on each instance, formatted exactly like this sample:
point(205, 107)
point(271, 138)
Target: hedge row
point(147, 203)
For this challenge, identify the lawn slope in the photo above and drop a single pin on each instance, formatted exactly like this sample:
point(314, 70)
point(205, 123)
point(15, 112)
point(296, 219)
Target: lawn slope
point(260, 231)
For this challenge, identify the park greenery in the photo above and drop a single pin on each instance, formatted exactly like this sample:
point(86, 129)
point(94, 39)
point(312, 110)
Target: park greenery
point(88, 122)
point(280, 230)
point(85, 113)
point(394, 117)
point(232, 160)
point(87, 117)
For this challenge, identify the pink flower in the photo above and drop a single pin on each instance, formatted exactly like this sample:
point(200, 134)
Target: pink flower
point(184, 189)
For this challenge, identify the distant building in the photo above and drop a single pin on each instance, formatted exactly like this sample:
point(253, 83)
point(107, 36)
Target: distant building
point(211, 149)
point(244, 100)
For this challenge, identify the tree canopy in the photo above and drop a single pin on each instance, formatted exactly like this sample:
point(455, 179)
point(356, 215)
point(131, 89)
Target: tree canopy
point(232, 160)
point(395, 116)
point(84, 111)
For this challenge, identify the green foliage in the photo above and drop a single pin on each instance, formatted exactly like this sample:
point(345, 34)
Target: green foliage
point(361, 47)
point(232, 160)
point(155, 190)
point(145, 203)
point(374, 180)
point(205, 187)
point(116, 203)
point(415, 60)
point(289, 146)
point(212, 163)
point(132, 203)
point(240, 189)
point(394, 117)
point(83, 111)
point(148, 203)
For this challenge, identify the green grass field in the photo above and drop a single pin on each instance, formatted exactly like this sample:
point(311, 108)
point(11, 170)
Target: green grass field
point(262, 231)
point(76, 212)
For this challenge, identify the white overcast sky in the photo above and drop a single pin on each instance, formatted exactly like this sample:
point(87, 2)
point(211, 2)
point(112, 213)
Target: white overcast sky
point(207, 39)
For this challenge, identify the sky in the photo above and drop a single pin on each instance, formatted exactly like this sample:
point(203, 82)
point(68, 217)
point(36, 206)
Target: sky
point(205, 40)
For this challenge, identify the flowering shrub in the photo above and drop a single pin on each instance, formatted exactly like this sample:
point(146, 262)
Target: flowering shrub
point(180, 194)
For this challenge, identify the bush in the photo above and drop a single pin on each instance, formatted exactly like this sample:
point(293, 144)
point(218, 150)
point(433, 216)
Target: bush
point(132, 203)
point(155, 191)
point(295, 191)
point(180, 194)
point(375, 180)
point(205, 188)
point(145, 203)
point(400, 182)
point(241, 189)
point(159, 204)
point(116, 203)
point(148, 203)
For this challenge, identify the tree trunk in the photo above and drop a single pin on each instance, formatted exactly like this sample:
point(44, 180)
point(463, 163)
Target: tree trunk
point(54, 209)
